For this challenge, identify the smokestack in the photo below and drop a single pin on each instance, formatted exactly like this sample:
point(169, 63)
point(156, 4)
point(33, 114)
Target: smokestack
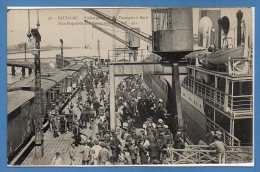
point(219, 32)
point(239, 22)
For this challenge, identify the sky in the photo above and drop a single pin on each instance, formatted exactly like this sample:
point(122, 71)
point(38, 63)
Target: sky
point(54, 26)
point(67, 24)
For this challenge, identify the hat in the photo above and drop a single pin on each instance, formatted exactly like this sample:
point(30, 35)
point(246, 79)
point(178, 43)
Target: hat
point(150, 118)
point(125, 125)
point(102, 144)
point(160, 100)
point(160, 120)
point(165, 126)
point(218, 133)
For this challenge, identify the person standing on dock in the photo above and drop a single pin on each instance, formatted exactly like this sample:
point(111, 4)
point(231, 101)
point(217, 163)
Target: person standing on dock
point(72, 154)
point(220, 148)
point(57, 160)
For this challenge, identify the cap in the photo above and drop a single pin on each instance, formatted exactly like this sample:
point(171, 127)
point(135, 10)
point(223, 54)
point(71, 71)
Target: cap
point(125, 125)
point(165, 126)
point(160, 100)
point(160, 120)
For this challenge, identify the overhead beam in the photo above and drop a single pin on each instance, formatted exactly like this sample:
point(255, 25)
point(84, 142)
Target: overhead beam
point(108, 33)
point(146, 38)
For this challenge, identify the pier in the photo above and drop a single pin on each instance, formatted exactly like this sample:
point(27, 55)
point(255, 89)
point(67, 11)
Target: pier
point(163, 99)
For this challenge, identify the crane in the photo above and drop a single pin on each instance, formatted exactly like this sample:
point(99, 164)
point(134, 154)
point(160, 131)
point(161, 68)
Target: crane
point(127, 44)
point(112, 20)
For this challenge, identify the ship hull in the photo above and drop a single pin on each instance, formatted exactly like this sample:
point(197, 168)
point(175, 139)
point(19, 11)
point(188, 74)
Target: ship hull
point(194, 116)
point(195, 122)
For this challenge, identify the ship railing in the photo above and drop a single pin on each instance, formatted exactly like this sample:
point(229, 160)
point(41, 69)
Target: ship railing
point(235, 105)
point(227, 138)
point(241, 105)
point(204, 154)
point(124, 55)
point(210, 94)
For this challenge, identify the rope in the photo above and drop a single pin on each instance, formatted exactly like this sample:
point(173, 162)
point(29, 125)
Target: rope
point(38, 20)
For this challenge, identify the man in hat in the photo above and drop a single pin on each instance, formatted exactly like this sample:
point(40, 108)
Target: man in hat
point(51, 121)
point(72, 154)
point(96, 106)
point(70, 117)
point(179, 144)
point(96, 148)
point(57, 160)
point(220, 148)
point(210, 137)
point(149, 125)
point(114, 145)
point(63, 123)
point(56, 123)
point(104, 155)
point(76, 133)
point(154, 151)
point(87, 154)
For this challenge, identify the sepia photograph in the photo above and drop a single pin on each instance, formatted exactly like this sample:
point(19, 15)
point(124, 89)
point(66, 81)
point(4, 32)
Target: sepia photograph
point(132, 86)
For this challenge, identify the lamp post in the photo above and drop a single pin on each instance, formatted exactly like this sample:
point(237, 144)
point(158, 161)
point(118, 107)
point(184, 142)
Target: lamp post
point(39, 151)
point(25, 51)
point(61, 54)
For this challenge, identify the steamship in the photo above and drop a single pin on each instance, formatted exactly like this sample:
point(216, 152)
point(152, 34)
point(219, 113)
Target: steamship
point(217, 85)
point(217, 93)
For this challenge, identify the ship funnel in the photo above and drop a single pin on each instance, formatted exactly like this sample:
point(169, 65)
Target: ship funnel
point(246, 50)
point(239, 22)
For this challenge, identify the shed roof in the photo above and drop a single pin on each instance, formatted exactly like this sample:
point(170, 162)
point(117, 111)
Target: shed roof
point(15, 99)
point(47, 82)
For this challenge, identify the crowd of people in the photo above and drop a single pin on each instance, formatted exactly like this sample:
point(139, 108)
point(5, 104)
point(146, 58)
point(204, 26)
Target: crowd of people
point(142, 134)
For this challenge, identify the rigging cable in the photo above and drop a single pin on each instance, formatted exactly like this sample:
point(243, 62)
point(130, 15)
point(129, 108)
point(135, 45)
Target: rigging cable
point(85, 35)
point(29, 34)
point(38, 20)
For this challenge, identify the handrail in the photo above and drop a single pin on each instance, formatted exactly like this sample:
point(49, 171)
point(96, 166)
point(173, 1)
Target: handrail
point(226, 136)
point(203, 154)
point(218, 97)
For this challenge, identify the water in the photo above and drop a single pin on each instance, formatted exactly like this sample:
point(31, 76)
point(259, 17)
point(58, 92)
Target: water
point(66, 52)
point(46, 56)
